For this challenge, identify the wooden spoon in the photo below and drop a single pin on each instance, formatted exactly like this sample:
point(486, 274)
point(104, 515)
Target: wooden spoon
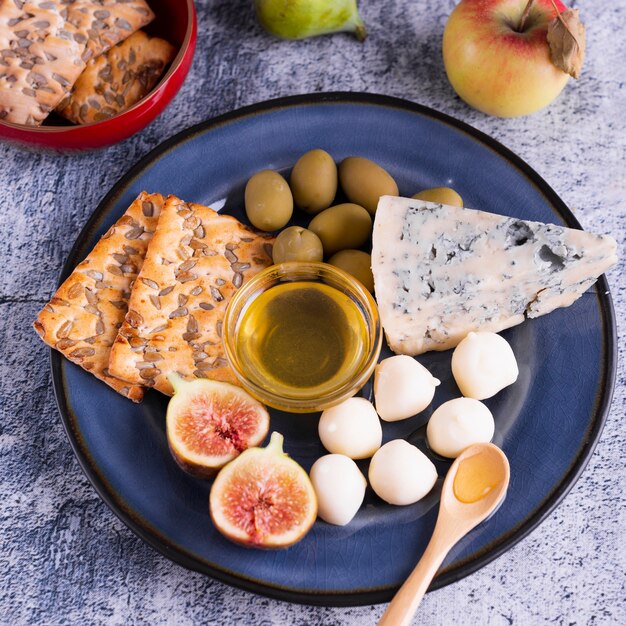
point(475, 485)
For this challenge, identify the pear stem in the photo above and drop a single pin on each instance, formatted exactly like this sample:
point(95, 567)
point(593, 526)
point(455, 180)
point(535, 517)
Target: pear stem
point(361, 32)
point(522, 22)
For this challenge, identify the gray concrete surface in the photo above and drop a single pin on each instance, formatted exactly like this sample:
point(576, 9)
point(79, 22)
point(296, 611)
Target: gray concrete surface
point(66, 559)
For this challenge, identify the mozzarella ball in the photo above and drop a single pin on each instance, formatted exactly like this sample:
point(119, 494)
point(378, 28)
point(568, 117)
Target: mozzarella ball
point(351, 428)
point(400, 474)
point(457, 424)
point(339, 486)
point(402, 388)
point(483, 364)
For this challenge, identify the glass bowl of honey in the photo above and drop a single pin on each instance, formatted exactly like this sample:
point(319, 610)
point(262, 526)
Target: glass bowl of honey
point(302, 337)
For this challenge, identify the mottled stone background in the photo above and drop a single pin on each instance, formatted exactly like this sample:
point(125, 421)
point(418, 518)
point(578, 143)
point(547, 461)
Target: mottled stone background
point(66, 559)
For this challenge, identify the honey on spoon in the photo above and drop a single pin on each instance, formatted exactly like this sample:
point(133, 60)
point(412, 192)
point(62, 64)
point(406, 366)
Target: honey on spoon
point(474, 479)
point(474, 487)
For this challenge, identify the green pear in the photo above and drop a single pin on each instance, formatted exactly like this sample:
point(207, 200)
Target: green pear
point(297, 19)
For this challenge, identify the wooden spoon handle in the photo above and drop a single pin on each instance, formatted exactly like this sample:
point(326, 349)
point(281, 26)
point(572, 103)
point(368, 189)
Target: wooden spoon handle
point(404, 604)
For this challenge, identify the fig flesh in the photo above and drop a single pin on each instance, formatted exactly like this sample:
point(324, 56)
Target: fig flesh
point(263, 499)
point(209, 423)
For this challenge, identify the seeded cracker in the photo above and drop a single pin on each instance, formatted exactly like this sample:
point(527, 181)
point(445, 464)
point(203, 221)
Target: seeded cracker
point(116, 80)
point(84, 315)
point(105, 23)
point(39, 60)
point(196, 261)
point(45, 44)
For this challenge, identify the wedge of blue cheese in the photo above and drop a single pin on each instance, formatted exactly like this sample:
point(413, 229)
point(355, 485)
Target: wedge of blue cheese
point(442, 271)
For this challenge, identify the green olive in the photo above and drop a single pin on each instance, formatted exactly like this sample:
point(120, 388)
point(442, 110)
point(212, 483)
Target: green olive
point(357, 263)
point(314, 181)
point(297, 244)
point(342, 226)
point(440, 195)
point(268, 199)
point(364, 182)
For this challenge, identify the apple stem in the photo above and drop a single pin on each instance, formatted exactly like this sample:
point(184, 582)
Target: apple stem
point(522, 22)
point(558, 14)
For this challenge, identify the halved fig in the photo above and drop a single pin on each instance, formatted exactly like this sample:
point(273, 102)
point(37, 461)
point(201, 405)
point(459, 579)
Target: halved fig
point(263, 499)
point(209, 423)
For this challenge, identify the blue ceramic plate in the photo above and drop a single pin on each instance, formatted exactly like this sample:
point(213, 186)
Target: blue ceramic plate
point(547, 423)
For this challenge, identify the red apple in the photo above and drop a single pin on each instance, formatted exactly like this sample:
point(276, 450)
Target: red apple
point(495, 65)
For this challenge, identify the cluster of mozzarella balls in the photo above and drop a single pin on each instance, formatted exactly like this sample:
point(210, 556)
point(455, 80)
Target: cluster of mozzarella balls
point(399, 473)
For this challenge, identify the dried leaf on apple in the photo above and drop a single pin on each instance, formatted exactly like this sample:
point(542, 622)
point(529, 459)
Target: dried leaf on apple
point(566, 38)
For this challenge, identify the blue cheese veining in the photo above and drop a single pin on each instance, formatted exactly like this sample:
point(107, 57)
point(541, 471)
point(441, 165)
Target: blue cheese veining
point(442, 271)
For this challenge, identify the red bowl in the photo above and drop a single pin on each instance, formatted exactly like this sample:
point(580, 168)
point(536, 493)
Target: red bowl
point(175, 21)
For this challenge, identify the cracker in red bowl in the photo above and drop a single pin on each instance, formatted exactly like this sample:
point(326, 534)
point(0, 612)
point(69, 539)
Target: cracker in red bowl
point(40, 60)
point(116, 80)
point(175, 21)
point(104, 23)
point(45, 45)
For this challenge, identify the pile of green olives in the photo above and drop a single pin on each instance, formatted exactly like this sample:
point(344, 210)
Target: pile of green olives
point(336, 232)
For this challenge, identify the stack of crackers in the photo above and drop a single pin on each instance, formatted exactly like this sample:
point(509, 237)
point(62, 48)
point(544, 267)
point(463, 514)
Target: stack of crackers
point(150, 298)
point(86, 59)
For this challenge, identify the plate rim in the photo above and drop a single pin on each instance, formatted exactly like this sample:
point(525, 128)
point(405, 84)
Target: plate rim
point(370, 596)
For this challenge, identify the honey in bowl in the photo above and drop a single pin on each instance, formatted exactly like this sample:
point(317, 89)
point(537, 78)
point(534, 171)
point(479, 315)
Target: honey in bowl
point(302, 338)
point(475, 479)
